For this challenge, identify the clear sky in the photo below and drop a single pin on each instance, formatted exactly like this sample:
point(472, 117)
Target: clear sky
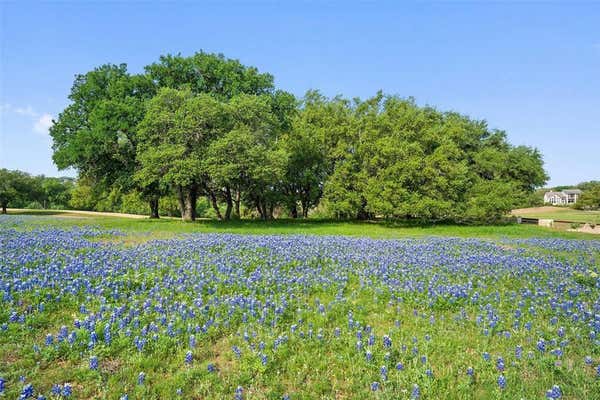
point(531, 69)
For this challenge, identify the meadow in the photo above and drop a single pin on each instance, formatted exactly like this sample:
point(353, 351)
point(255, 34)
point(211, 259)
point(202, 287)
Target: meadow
point(138, 309)
point(560, 213)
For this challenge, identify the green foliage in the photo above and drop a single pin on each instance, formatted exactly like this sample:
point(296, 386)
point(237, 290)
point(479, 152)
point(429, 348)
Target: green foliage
point(208, 126)
point(590, 199)
point(209, 73)
point(22, 190)
point(399, 160)
point(83, 197)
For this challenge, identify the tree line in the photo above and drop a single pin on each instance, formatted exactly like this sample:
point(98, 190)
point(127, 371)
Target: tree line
point(22, 190)
point(208, 129)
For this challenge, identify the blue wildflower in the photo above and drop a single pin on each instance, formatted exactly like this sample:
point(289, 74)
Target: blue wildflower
point(416, 392)
point(502, 382)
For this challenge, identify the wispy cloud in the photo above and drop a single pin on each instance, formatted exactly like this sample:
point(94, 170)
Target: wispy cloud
point(27, 111)
point(43, 124)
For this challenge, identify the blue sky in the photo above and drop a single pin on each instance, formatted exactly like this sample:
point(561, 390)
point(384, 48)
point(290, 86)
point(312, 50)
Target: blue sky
point(532, 69)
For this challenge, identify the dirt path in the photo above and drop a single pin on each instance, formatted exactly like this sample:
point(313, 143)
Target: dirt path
point(73, 213)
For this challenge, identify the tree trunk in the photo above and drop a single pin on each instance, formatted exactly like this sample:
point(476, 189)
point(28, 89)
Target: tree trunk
point(294, 210)
point(237, 204)
point(362, 213)
point(188, 199)
point(180, 201)
point(259, 208)
point(304, 203)
point(271, 210)
point(153, 202)
point(3, 208)
point(215, 205)
point(229, 200)
point(264, 210)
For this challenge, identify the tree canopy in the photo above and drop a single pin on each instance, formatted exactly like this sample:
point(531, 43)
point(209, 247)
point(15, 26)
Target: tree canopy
point(206, 126)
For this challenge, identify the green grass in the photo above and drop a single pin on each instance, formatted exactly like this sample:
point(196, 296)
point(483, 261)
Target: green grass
point(165, 227)
point(307, 369)
point(562, 213)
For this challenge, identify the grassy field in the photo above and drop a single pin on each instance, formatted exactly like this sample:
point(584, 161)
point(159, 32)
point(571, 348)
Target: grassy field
point(167, 227)
point(113, 308)
point(560, 213)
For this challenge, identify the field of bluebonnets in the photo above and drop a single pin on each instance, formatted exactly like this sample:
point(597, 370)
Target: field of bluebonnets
point(84, 314)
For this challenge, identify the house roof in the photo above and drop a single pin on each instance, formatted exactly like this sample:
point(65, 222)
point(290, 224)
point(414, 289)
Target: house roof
point(572, 191)
point(558, 194)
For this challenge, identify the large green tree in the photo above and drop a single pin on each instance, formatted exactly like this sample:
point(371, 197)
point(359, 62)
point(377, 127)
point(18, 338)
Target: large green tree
point(173, 138)
point(96, 133)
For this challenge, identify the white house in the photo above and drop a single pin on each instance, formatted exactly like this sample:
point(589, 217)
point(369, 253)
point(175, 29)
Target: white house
point(567, 196)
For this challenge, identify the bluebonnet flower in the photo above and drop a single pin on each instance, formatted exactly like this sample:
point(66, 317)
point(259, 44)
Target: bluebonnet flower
point(554, 393)
point(416, 392)
point(49, 339)
point(387, 341)
point(375, 386)
point(2, 384)
point(384, 372)
point(239, 393)
point(518, 352)
point(541, 345)
point(56, 390)
point(369, 355)
point(27, 391)
point(263, 359)
point(141, 378)
point(188, 357)
point(588, 360)
point(67, 390)
point(399, 366)
point(502, 382)
point(371, 340)
point(500, 364)
point(486, 356)
point(211, 367)
point(470, 371)
point(93, 363)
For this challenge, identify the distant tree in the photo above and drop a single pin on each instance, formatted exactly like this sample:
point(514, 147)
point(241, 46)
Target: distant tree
point(83, 196)
point(590, 198)
point(14, 186)
point(56, 192)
